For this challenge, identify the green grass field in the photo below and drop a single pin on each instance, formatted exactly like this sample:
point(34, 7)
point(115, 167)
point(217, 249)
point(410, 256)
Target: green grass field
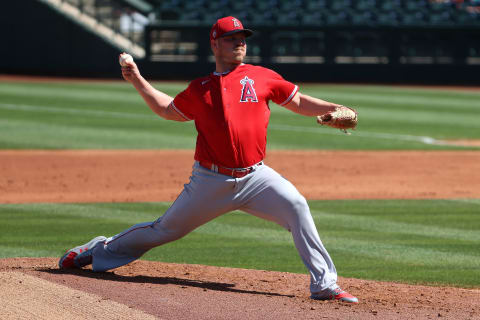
point(113, 116)
point(416, 241)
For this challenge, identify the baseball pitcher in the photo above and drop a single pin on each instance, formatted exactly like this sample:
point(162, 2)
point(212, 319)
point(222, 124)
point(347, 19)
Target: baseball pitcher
point(230, 108)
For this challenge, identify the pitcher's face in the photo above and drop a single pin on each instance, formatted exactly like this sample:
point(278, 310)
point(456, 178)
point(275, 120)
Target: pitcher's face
point(230, 49)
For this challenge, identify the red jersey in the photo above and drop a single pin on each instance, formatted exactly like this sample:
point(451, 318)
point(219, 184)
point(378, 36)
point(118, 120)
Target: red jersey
point(231, 113)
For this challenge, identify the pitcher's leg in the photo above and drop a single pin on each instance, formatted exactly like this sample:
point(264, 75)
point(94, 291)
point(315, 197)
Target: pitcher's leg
point(107, 256)
point(202, 200)
point(278, 200)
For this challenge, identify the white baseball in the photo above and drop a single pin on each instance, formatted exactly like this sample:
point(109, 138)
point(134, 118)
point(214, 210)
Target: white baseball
point(124, 59)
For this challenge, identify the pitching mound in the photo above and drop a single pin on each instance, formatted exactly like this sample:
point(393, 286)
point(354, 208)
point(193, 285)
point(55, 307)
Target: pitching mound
point(34, 288)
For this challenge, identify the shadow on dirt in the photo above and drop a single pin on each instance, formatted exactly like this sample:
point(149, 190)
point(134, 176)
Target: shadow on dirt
point(111, 276)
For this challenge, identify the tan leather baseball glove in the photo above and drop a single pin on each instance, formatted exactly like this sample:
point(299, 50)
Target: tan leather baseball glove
point(342, 118)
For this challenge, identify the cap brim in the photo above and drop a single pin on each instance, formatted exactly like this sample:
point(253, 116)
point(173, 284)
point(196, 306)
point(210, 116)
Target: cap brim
point(247, 32)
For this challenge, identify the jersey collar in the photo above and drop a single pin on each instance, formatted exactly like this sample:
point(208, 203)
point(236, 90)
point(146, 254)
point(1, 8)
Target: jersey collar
point(215, 73)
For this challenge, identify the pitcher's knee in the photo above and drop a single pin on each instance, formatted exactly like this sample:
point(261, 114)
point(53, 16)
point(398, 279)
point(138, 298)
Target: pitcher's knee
point(298, 207)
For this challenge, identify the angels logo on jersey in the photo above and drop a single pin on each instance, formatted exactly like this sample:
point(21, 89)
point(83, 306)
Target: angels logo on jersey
point(248, 91)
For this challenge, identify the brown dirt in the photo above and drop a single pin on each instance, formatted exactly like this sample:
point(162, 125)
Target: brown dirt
point(175, 291)
point(122, 176)
point(34, 288)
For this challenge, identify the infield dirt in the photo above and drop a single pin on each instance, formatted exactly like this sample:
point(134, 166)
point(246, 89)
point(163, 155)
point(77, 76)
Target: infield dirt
point(130, 176)
point(34, 288)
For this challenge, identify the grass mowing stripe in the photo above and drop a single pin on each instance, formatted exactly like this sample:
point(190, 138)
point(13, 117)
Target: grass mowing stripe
point(372, 224)
point(266, 235)
point(474, 201)
point(91, 85)
point(82, 112)
point(440, 213)
point(119, 213)
point(388, 100)
point(36, 135)
point(394, 89)
point(74, 92)
point(418, 116)
point(19, 251)
point(71, 93)
point(410, 254)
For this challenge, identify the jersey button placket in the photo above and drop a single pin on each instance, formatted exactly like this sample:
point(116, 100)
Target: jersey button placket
point(226, 100)
point(225, 97)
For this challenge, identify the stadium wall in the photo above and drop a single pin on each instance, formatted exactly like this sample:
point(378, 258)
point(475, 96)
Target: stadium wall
point(40, 41)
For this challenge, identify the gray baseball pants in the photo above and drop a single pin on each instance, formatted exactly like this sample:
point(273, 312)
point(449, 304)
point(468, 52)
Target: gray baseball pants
point(262, 193)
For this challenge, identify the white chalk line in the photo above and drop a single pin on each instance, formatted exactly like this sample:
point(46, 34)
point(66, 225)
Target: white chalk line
point(363, 134)
point(112, 114)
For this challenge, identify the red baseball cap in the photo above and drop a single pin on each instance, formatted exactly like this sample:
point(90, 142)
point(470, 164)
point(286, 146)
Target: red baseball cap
point(227, 26)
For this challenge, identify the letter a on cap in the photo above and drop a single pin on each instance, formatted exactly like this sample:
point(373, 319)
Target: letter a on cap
point(235, 23)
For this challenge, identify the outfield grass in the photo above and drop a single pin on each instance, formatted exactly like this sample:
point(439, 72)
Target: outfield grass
point(113, 116)
point(415, 241)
